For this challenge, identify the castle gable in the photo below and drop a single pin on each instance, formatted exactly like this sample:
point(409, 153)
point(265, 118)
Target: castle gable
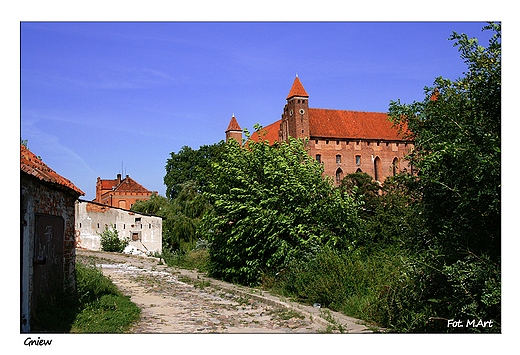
point(129, 184)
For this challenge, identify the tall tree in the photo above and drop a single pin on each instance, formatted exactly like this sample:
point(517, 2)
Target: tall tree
point(271, 204)
point(456, 130)
point(190, 165)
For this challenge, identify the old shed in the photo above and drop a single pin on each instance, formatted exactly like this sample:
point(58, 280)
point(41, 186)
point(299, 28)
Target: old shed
point(46, 235)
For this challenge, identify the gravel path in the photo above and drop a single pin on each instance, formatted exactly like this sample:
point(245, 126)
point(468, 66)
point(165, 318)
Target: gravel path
point(173, 303)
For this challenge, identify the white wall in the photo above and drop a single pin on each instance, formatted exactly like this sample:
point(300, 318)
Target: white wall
point(90, 224)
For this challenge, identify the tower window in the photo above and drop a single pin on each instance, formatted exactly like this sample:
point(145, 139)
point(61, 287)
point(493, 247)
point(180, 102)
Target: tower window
point(338, 159)
point(318, 158)
point(358, 159)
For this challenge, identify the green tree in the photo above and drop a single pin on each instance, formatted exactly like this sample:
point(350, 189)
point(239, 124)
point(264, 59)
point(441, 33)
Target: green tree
point(190, 165)
point(182, 215)
point(456, 130)
point(271, 204)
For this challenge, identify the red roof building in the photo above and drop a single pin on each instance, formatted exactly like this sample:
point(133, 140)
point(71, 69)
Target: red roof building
point(344, 141)
point(121, 193)
point(47, 237)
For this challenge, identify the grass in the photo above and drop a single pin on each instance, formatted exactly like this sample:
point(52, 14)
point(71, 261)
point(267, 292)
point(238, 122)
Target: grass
point(190, 260)
point(97, 306)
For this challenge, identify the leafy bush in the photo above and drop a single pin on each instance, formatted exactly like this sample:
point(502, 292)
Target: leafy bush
point(272, 204)
point(110, 240)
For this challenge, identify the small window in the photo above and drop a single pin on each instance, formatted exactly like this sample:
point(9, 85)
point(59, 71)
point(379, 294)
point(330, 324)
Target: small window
point(327, 141)
point(337, 142)
point(339, 176)
point(318, 158)
point(135, 237)
point(316, 141)
point(137, 219)
point(123, 226)
point(358, 159)
point(338, 159)
point(98, 225)
point(80, 225)
point(149, 225)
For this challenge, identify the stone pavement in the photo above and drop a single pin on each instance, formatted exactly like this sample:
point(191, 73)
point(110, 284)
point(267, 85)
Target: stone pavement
point(185, 301)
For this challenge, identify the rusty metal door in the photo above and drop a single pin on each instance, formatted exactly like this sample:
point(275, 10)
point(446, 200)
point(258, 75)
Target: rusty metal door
point(48, 256)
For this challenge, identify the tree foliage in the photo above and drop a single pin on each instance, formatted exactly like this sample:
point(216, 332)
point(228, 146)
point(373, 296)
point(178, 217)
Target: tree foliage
point(271, 204)
point(456, 130)
point(190, 165)
point(182, 215)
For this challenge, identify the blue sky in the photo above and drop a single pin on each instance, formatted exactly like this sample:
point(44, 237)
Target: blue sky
point(94, 95)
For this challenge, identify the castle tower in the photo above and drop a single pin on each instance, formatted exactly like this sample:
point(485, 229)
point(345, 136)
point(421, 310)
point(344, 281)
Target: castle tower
point(234, 131)
point(295, 117)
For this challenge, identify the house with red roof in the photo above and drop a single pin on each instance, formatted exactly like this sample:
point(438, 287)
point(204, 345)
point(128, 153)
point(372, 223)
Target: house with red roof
point(343, 141)
point(47, 236)
point(121, 193)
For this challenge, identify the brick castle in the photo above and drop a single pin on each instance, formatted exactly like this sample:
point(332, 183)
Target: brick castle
point(344, 141)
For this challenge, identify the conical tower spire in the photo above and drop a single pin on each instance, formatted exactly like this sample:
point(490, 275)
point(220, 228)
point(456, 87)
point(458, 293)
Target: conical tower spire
point(234, 131)
point(297, 89)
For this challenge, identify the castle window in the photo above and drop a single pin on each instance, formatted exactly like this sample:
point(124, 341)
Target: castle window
point(337, 142)
point(318, 158)
point(338, 159)
point(395, 166)
point(359, 170)
point(327, 141)
point(135, 236)
point(137, 219)
point(377, 168)
point(339, 175)
point(358, 159)
point(316, 141)
point(303, 101)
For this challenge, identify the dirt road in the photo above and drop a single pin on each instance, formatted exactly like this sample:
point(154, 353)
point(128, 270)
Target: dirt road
point(184, 301)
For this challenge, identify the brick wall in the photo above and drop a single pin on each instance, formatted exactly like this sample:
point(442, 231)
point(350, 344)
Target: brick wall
point(45, 199)
point(368, 152)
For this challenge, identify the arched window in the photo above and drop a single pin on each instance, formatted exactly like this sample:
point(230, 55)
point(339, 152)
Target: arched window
point(359, 170)
point(338, 159)
point(318, 158)
point(377, 169)
point(339, 176)
point(395, 166)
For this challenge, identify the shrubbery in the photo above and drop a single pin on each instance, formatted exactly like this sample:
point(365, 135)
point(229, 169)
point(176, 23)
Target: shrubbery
point(110, 240)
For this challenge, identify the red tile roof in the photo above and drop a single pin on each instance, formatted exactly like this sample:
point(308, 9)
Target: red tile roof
point(33, 166)
point(324, 123)
point(297, 89)
point(350, 124)
point(129, 184)
point(271, 135)
point(108, 184)
point(233, 125)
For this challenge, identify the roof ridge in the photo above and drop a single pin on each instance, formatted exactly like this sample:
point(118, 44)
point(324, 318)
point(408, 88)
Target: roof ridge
point(332, 109)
